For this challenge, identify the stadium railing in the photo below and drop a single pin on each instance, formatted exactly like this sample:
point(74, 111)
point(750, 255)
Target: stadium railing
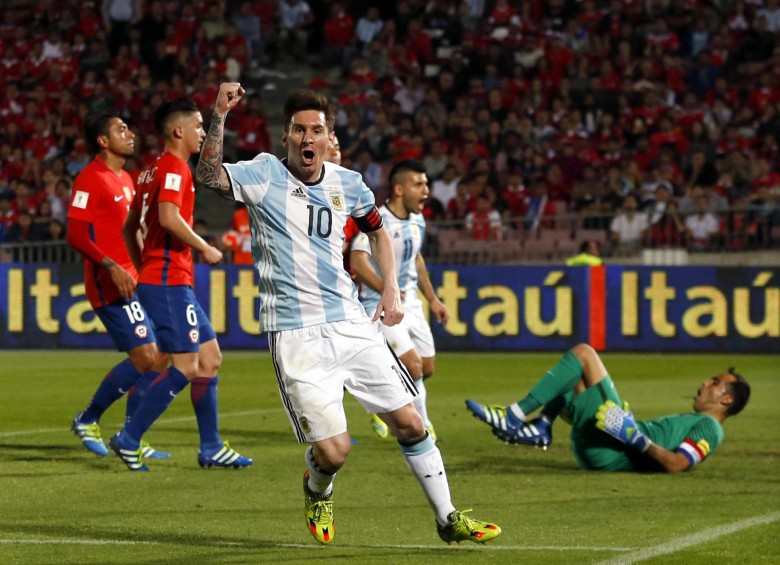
point(560, 237)
point(554, 240)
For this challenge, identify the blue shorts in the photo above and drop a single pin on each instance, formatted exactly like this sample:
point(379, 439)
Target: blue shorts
point(180, 323)
point(127, 323)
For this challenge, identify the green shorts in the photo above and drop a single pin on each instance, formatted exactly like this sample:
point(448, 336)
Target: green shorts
point(594, 449)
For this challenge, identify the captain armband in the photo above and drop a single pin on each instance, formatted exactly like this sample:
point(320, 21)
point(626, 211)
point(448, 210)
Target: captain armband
point(370, 222)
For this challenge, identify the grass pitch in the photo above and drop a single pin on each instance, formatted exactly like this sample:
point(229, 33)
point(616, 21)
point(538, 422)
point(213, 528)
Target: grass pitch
point(60, 504)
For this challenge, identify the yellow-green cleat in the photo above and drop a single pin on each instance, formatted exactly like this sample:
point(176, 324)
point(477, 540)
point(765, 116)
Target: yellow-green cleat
point(148, 452)
point(90, 436)
point(463, 528)
point(380, 428)
point(319, 513)
point(431, 431)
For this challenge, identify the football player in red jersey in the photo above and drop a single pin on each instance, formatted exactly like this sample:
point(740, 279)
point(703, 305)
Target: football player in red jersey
point(162, 210)
point(98, 207)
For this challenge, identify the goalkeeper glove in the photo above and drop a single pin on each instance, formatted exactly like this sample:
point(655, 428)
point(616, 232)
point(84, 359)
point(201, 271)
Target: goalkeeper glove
point(621, 425)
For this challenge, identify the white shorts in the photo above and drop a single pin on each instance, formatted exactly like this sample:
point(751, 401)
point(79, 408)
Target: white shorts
point(413, 332)
point(315, 364)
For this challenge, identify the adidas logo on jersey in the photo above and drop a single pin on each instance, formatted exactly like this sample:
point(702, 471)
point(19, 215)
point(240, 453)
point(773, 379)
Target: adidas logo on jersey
point(298, 193)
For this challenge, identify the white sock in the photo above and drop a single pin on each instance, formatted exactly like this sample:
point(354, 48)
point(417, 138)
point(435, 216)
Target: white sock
point(517, 412)
point(425, 462)
point(420, 400)
point(320, 481)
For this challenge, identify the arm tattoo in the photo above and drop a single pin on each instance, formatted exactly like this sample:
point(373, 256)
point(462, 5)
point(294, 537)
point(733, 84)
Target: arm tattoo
point(209, 173)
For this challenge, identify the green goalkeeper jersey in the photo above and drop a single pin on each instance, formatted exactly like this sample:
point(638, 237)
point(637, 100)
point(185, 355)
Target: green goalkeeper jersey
point(694, 435)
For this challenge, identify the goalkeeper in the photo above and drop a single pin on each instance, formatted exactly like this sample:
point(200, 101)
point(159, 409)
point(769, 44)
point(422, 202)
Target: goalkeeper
point(605, 436)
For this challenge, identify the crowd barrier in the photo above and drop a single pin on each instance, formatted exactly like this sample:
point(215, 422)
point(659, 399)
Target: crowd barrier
point(507, 308)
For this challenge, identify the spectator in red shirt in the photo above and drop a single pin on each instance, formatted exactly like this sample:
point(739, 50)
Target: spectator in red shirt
point(766, 93)
point(253, 136)
point(34, 66)
point(237, 46)
point(503, 15)
point(484, 223)
point(557, 186)
point(462, 203)
point(668, 135)
point(23, 230)
point(362, 73)
point(11, 65)
point(515, 192)
point(663, 37)
point(42, 144)
point(419, 40)
point(339, 28)
point(8, 216)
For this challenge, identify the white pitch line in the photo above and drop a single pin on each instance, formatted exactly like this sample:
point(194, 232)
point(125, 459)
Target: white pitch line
point(63, 541)
point(162, 422)
point(685, 542)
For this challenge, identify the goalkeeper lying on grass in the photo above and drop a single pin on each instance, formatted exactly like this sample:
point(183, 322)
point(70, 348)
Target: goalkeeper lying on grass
point(605, 436)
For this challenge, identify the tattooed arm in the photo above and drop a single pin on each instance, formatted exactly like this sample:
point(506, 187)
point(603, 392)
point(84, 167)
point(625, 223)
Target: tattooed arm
point(209, 173)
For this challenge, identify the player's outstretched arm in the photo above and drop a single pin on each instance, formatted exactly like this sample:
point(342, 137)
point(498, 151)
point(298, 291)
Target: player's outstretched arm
point(389, 309)
point(171, 220)
point(621, 424)
point(669, 461)
point(360, 261)
point(438, 309)
point(209, 172)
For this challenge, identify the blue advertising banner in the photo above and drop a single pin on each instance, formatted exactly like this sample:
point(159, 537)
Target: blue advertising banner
point(693, 309)
point(512, 308)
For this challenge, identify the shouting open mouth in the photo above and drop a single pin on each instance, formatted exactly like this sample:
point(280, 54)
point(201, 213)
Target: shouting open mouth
point(307, 157)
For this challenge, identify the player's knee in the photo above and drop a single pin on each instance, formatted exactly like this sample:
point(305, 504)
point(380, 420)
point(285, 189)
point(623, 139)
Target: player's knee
point(583, 352)
point(189, 370)
point(161, 361)
point(209, 359)
point(406, 424)
point(411, 433)
point(209, 365)
point(143, 358)
point(332, 454)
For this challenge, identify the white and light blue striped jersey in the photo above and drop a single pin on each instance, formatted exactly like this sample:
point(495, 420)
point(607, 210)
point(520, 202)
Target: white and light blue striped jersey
point(407, 236)
point(297, 235)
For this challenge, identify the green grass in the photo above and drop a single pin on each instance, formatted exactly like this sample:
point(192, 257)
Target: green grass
point(60, 504)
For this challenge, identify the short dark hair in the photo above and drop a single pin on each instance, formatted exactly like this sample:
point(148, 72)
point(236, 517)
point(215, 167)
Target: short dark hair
point(740, 391)
point(95, 125)
point(403, 166)
point(170, 109)
point(301, 100)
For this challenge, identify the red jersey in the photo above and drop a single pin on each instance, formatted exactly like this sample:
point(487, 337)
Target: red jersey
point(165, 260)
point(101, 198)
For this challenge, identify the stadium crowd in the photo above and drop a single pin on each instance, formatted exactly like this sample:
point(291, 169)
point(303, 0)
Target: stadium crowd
point(655, 121)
